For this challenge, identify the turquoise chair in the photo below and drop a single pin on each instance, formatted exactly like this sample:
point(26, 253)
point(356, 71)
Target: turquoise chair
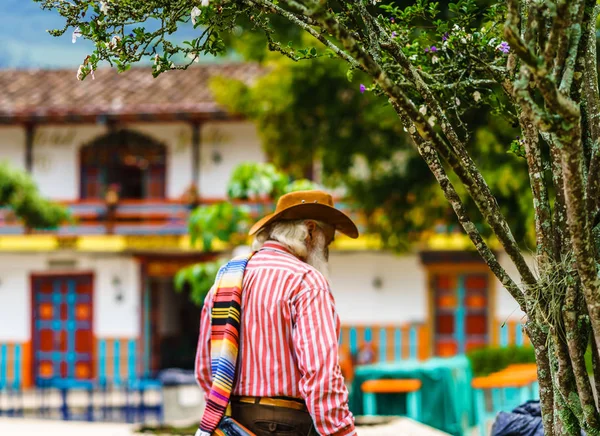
point(506, 393)
point(410, 387)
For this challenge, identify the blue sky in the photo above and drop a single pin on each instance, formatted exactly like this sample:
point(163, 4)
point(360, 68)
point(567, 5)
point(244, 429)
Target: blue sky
point(24, 42)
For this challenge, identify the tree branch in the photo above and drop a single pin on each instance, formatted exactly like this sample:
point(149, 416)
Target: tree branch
point(572, 51)
point(430, 156)
point(541, 203)
point(591, 105)
point(576, 339)
point(568, 412)
point(539, 339)
point(272, 8)
point(562, 234)
point(465, 167)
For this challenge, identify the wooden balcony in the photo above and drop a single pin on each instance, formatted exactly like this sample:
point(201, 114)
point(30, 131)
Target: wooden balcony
point(129, 218)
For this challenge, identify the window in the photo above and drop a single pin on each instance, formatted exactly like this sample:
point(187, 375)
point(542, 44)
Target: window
point(130, 161)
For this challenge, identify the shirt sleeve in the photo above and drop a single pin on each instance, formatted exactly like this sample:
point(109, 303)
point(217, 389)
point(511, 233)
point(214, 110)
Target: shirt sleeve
point(316, 345)
point(202, 367)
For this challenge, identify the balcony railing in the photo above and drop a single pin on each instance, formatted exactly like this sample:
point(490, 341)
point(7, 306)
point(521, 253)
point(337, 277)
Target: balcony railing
point(129, 217)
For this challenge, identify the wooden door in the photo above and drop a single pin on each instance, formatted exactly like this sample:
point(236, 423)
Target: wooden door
point(461, 302)
point(62, 321)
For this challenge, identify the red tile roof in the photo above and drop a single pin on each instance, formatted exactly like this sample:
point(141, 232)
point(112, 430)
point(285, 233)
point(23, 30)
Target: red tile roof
point(57, 94)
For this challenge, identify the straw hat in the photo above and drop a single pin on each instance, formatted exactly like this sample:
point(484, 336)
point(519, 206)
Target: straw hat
point(310, 205)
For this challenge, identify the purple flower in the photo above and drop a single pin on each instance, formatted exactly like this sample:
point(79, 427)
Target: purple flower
point(433, 49)
point(503, 47)
point(445, 37)
point(394, 34)
point(392, 19)
point(362, 88)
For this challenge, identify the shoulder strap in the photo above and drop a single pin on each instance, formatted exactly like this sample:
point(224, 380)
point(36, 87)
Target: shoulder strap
point(224, 340)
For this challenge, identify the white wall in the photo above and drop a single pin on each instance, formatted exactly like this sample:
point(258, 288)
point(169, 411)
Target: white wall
point(114, 318)
point(15, 295)
point(403, 295)
point(12, 146)
point(234, 143)
point(56, 154)
point(111, 318)
point(401, 298)
point(56, 158)
point(223, 146)
point(506, 306)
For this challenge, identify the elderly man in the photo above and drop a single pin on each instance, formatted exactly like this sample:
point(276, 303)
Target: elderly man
point(288, 379)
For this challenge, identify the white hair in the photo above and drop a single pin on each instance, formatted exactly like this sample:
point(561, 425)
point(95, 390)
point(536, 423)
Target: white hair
point(293, 235)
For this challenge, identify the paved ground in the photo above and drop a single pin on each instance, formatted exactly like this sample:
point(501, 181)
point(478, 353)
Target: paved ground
point(31, 427)
point(402, 426)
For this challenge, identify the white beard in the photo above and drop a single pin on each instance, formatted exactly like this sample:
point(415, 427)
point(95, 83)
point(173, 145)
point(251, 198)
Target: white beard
point(318, 256)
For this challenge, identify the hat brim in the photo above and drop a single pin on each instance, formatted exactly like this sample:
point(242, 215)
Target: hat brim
point(311, 211)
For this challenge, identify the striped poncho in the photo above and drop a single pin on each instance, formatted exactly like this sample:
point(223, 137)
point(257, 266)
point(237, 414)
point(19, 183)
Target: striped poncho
point(224, 341)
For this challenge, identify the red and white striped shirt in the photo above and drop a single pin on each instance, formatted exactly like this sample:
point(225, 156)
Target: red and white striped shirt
point(289, 339)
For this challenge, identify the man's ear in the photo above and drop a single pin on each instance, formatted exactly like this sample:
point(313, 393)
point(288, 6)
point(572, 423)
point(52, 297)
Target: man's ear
point(311, 226)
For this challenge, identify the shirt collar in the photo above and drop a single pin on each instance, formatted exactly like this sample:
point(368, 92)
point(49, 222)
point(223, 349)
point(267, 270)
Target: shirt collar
point(274, 245)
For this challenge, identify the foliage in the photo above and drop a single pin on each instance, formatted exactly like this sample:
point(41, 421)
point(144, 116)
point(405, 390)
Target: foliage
point(19, 193)
point(485, 361)
point(256, 181)
point(315, 110)
point(229, 222)
point(222, 221)
point(301, 185)
point(533, 64)
point(200, 277)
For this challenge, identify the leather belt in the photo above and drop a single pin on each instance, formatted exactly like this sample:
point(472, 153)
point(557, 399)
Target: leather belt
point(276, 402)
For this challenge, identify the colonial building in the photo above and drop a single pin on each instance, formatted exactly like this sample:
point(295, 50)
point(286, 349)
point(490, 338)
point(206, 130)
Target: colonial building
point(95, 298)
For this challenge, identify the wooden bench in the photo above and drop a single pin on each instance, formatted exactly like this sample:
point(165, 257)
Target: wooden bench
point(498, 383)
point(410, 387)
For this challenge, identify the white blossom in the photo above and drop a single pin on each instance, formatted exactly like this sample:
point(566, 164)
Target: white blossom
point(194, 56)
point(195, 14)
point(432, 120)
point(156, 59)
point(104, 8)
point(492, 42)
point(76, 34)
point(80, 72)
point(92, 73)
point(412, 130)
point(413, 57)
point(456, 27)
point(477, 96)
point(114, 42)
point(435, 60)
point(204, 3)
point(463, 40)
point(457, 101)
point(423, 109)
